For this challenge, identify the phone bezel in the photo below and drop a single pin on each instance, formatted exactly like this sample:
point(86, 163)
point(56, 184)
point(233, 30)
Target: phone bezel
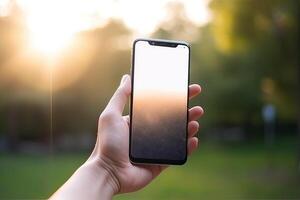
point(168, 43)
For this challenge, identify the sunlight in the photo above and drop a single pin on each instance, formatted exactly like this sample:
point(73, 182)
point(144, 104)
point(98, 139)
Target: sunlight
point(53, 23)
point(47, 39)
point(50, 30)
point(144, 16)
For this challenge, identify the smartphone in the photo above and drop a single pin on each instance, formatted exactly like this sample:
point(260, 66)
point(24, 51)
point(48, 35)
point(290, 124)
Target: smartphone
point(159, 102)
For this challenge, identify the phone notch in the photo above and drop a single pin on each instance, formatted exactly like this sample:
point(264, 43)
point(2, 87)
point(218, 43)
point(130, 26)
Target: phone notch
point(163, 43)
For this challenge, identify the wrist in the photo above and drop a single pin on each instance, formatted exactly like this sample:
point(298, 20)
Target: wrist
point(93, 180)
point(104, 170)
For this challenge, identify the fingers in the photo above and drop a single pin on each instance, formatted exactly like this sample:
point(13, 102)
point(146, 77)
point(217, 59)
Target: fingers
point(193, 128)
point(194, 90)
point(192, 145)
point(195, 113)
point(120, 97)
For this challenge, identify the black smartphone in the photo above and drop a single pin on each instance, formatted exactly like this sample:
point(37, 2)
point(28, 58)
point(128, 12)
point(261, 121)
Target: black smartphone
point(159, 102)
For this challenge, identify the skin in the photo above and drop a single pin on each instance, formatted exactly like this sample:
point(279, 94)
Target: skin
point(108, 171)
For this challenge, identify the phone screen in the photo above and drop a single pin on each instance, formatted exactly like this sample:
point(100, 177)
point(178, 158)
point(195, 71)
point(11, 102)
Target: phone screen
point(159, 102)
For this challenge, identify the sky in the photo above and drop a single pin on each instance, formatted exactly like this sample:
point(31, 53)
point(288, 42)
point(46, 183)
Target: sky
point(61, 19)
point(141, 16)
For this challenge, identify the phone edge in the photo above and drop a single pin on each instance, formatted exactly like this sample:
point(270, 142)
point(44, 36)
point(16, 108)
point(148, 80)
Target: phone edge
point(138, 161)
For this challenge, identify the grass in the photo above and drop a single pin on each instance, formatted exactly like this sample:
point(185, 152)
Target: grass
point(214, 172)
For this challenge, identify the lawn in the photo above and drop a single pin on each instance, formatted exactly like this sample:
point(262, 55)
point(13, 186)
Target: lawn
point(213, 172)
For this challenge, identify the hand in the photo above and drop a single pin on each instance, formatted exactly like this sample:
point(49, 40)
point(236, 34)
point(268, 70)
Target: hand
point(108, 170)
point(113, 142)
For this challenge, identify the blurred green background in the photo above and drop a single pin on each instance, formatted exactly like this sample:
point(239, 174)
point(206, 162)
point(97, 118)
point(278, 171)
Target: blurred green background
point(60, 62)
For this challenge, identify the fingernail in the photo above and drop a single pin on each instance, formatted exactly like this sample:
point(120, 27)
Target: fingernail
point(124, 77)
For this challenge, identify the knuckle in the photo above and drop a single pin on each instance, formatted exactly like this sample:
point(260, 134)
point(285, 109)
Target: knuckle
point(106, 117)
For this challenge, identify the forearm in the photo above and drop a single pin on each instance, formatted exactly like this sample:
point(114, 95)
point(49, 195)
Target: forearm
point(91, 181)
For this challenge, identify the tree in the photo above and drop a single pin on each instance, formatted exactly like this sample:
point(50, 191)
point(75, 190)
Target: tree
point(250, 43)
point(176, 26)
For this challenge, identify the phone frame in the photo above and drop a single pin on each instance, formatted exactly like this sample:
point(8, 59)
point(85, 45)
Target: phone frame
point(167, 43)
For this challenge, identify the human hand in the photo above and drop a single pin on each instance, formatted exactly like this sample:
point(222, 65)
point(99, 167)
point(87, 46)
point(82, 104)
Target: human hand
point(112, 146)
point(108, 170)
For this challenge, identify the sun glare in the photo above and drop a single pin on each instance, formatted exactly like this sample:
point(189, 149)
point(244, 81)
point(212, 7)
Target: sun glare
point(48, 39)
point(51, 27)
point(52, 24)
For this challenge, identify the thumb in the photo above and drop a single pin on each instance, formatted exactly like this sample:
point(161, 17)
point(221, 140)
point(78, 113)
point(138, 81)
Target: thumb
point(120, 97)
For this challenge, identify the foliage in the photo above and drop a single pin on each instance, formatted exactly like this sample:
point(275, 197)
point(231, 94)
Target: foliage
point(245, 58)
